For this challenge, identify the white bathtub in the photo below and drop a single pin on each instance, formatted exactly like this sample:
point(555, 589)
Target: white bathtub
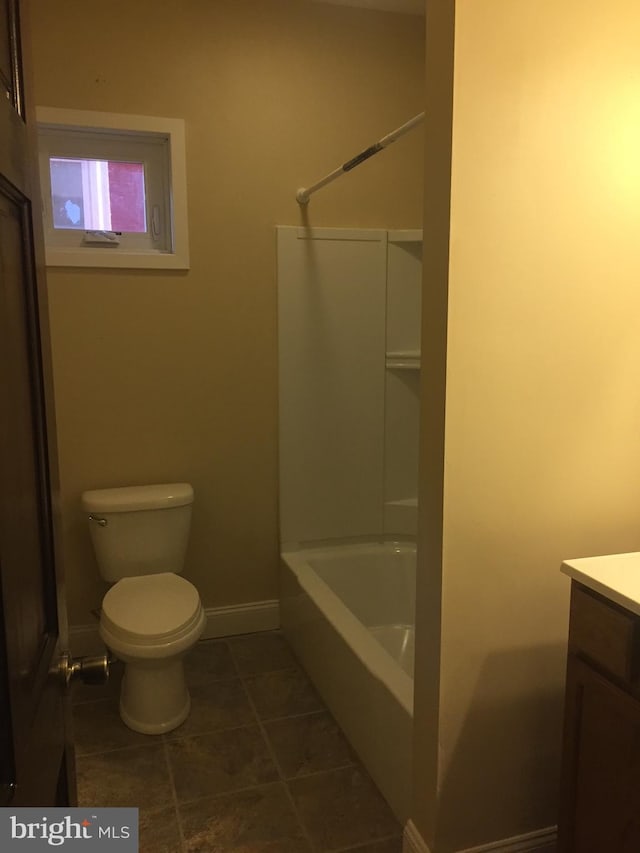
point(348, 612)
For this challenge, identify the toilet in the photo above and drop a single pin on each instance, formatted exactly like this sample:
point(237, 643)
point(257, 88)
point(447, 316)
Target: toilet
point(151, 616)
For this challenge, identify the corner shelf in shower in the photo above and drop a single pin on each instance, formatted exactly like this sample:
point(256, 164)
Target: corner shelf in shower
point(405, 235)
point(404, 503)
point(405, 360)
point(401, 517)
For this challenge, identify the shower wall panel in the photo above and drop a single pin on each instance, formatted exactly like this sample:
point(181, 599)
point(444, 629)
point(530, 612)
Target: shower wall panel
point(331, 315)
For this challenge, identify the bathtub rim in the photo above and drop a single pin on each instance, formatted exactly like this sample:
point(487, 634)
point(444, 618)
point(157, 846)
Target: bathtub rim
point(373, 656)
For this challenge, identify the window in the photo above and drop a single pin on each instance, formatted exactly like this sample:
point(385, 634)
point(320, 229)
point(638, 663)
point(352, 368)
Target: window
point(114, 189)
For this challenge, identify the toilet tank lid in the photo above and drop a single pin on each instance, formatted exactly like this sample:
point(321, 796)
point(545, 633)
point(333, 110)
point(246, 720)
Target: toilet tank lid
point(133, 498)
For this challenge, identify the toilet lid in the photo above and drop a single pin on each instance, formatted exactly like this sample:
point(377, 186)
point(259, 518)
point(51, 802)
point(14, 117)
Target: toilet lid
point(150, 608)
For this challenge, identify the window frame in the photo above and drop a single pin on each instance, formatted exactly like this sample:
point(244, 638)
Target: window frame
point(63, 247)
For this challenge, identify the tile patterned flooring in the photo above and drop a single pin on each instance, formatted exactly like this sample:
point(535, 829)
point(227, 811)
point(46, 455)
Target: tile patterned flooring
point(259, 766)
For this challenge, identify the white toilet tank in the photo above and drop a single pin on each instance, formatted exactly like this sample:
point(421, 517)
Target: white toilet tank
point(139, 530)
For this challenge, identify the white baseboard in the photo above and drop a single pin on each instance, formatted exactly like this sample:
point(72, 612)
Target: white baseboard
point(541, 841)
point(242, 619)
point(221, 622)
point(412, 841)
point(84, 640)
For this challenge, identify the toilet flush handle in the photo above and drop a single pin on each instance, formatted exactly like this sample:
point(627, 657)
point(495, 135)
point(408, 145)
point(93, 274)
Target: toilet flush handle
point(101, 521)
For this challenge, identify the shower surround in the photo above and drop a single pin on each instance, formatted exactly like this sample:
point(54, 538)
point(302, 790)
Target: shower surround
point(349, 347)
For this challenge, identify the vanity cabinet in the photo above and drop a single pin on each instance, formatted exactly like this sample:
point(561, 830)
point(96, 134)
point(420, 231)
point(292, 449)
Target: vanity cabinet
point(600, 789)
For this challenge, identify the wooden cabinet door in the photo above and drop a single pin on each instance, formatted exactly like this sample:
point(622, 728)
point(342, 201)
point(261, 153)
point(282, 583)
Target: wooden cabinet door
point(34, 756)
point(601, 774)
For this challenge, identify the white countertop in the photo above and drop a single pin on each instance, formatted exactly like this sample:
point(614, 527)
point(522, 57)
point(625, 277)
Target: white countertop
point(616, 576)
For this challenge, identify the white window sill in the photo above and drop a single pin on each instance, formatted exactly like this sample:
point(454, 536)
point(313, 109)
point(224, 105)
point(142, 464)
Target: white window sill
point(110, 258)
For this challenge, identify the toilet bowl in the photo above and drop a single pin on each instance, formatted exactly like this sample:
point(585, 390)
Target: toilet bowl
point(149, 623)
point(151, 616)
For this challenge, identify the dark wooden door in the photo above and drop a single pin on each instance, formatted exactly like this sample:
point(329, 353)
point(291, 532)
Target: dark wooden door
point(34, 756)
point(602, 765)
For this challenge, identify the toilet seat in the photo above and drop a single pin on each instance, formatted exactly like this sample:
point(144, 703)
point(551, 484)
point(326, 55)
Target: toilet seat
point(151, 610)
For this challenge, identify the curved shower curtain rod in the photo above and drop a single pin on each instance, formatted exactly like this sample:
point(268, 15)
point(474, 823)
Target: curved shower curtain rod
point(304, 193)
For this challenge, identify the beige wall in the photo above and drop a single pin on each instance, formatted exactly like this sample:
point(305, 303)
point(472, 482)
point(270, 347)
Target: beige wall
point(161, 376)
point(542, 457)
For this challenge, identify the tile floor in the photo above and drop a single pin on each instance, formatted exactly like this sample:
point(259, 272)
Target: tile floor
point(260, 766)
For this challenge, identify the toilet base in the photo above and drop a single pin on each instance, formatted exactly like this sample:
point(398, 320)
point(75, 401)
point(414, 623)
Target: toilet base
point(154, 696)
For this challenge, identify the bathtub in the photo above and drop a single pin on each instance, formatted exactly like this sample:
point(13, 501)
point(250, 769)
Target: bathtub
point(348, 613)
